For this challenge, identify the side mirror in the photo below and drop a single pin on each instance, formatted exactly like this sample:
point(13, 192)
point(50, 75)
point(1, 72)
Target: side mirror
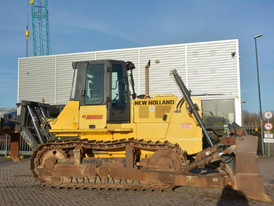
point(130, 65)
point(74, 65)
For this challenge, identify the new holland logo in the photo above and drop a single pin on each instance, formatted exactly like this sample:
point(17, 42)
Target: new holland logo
point(100, 116)
point(154, 102)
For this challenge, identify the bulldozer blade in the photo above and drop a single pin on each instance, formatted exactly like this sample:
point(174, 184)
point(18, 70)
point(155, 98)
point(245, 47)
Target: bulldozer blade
point(248, 181)
point(14, 147)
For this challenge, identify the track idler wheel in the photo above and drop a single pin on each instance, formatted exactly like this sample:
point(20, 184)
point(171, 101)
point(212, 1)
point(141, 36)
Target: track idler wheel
point(47, 165)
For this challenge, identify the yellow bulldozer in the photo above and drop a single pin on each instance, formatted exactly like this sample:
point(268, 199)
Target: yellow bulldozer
point(106, 137)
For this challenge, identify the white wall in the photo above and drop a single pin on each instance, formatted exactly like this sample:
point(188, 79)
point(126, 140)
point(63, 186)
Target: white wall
point(208, 68)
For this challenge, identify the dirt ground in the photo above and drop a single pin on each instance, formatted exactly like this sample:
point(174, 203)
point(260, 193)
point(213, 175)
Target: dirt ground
point(17, 187)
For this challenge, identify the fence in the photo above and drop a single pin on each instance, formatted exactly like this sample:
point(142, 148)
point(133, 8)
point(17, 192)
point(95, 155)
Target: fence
point(4, 145)
point(255, 131)
point(24, 149)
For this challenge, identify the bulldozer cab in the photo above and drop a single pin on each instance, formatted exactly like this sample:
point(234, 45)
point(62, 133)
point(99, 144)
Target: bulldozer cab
point(103, 86)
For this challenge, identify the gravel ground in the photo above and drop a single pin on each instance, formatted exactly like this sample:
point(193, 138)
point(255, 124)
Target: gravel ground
point(17, 187)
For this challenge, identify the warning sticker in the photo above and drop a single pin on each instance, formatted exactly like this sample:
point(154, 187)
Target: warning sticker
point(186, 125)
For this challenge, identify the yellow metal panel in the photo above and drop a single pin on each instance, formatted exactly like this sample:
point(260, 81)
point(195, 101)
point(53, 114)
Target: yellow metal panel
point(161, 110)
point(93, 115)
point(122, 131)
point(78, 130)
point(143, 112)
point(153, 109)
point(151, 131)
point(102, 136)
point(178, 127)
point(191, 145)
point(68, 118)
point(184, 131)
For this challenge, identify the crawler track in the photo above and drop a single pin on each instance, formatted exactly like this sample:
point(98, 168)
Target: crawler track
point(63, 164)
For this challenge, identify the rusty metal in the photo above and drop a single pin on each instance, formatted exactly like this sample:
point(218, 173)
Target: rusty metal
point(56, 169)
point(63, 172)
point(236, 130)
point(204, 161)
point(12, 129)
point(130, 156)
point(163, 160)
point(228, 140)
point(14, 147)
point(248, 181)
point(147, 77)
point(205, 153)
point(64, 165)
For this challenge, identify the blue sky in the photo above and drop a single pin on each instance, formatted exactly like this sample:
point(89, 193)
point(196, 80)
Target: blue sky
point(78, 26)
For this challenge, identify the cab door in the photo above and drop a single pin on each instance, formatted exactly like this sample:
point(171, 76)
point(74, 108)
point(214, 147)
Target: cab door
point(119, 111)
point(93, 109)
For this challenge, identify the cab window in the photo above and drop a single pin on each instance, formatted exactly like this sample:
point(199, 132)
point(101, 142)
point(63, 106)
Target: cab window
point(94, 84)
point(119, 92)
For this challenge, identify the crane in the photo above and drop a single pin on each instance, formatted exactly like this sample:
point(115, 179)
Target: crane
point(40, 28)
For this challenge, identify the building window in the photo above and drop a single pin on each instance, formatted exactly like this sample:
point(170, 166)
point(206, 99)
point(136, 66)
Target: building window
point(217, 113)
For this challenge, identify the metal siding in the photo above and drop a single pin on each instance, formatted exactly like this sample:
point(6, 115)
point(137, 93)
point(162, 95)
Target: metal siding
point(209, 66)
point(238, 104)
point(212, 70)
point(170, 57)
point(36, 79)
point(64, 74)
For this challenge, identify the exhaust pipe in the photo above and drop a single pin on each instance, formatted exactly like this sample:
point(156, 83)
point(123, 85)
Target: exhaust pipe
point(147, 77)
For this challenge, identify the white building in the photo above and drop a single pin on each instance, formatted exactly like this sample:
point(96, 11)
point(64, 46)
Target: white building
point(209, 69)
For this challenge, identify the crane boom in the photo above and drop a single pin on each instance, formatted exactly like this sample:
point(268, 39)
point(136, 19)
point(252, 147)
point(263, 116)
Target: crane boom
point(40, 27)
